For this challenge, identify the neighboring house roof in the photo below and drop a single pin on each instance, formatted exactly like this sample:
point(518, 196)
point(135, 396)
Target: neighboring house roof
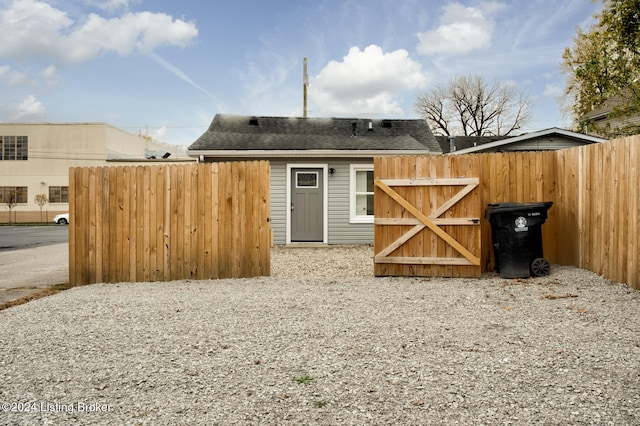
point(454, 143)
point(245, 136)
point(603, 111)
point(543, 136)
point(607, 120)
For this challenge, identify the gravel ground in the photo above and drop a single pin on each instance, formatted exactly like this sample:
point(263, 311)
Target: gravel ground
point(324, 342)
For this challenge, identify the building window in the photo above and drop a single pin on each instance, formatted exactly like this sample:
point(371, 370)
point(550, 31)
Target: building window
point(14, 147)
point(361, 193)
point(13, 194)
point(58, 194)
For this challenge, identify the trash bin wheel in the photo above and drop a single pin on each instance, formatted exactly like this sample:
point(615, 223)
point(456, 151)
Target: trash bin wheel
point(540, 267)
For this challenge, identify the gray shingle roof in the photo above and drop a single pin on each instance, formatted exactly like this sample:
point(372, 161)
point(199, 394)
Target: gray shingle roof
point(229, 132)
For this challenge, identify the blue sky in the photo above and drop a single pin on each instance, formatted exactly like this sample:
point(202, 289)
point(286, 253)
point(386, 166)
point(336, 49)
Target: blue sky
point(166, 67)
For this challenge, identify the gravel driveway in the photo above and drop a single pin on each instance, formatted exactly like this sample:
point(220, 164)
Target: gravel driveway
point(324, 342)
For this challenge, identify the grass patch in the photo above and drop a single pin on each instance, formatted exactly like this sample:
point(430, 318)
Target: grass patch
point(303, 380)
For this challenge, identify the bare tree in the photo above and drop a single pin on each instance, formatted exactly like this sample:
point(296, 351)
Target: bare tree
point(41, 200)
point(469, 106)
point(11, 201)
point(431, 106)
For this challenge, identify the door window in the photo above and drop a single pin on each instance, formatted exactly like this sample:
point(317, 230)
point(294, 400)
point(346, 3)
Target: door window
point(306, 179)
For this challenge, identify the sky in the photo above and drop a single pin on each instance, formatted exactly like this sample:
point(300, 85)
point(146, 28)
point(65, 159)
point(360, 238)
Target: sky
point(165, 68)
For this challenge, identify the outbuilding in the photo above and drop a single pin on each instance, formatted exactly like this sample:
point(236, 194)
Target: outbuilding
point(321, 168)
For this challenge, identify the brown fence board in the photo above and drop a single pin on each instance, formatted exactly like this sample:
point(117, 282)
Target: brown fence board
point(112, 219)
point(586, 190)
point(226, 214)
point(214, 222)
point(633, 185)
point(91, 225)
point(190, 225)
point(162, 223)
point(264, 228)
point(621, 215)
point(166, 224)
point(239, 199)
point(153, 218)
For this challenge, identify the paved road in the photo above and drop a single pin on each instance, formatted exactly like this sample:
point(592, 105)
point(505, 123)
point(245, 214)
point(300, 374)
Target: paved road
point(22, 237)
point(25, 271)
point(32, 258)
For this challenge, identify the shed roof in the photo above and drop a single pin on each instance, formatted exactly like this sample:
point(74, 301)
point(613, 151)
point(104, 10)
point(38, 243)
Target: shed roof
point(250, 133)
point(546, 133)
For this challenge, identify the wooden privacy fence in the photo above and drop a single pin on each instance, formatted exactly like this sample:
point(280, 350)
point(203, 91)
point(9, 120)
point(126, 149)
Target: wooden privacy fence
point(593, 223)
point(171, 222)
point(599, 190)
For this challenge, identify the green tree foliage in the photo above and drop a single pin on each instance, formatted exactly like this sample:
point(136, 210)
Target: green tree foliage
point(603, 67)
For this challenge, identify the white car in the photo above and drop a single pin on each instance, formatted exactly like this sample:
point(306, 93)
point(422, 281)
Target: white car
point(61, 219)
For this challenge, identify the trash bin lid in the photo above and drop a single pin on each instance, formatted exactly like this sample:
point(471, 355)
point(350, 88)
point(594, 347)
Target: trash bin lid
point(515, 207)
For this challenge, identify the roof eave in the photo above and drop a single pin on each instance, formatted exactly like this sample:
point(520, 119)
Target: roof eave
point(533, 135)
point(309, 153)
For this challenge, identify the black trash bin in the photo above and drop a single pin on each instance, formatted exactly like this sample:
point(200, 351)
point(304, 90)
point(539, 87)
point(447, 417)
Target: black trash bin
point(516, 229)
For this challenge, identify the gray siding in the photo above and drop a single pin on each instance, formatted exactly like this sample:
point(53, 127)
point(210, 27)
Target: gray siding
point(340, 230)
point(547, 144)
point(278, 201)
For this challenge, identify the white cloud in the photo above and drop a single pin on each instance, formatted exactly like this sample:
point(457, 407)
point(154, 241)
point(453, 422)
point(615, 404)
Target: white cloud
point(50, 76)
point(367, 81)
point(553, 91)
point(159, 133)
point(461, 30)
point(11, 77)
point(31, 29)
point(268, 89)
point(35, 30)
point(30, 109)
point(109, 5)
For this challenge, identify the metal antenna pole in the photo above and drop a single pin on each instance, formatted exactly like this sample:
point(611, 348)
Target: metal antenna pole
point(305, 79)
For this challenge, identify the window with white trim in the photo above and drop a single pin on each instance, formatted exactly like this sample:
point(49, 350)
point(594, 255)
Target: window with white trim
point(361, 193)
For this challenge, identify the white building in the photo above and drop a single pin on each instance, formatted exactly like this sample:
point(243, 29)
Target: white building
point(35, 159)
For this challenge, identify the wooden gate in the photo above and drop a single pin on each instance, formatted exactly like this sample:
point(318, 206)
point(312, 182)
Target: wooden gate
point(427, 216)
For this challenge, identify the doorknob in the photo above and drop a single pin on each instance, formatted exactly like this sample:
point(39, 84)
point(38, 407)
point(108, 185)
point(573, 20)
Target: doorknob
point(292, 207)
